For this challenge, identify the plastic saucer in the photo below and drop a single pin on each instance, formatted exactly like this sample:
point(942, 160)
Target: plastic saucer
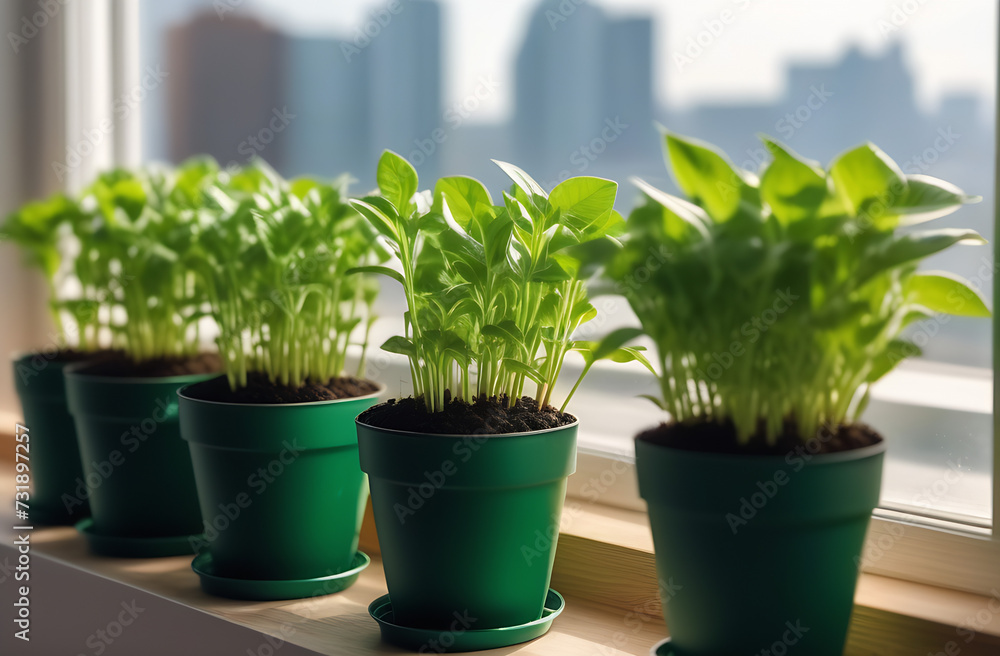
point(123, 546)
point(662, 648)
point(262, 590)
point(438, 641)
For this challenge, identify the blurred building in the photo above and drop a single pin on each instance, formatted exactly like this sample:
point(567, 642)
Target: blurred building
point(584, 87)
point(331, 132)
point(226, 92)
point(307, 105)
point(404, 101)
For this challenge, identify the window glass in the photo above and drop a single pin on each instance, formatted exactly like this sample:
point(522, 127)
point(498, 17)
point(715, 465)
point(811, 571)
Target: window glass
point(564, 87)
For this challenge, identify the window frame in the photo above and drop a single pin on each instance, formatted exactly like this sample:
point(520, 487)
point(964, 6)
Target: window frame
point(102, 62)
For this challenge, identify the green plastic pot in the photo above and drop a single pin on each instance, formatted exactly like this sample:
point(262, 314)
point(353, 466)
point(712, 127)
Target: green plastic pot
point(55, 456)
point(282, 494)
point(758, 554)
point(467, 524)
point(137, 469)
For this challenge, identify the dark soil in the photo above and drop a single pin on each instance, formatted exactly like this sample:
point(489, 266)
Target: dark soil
point(262, 391)
point(124, 367)
point(721, 438)
point(482, 417)
point(72, 355)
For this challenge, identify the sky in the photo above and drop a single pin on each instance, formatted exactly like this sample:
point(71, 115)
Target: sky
point(746, 43)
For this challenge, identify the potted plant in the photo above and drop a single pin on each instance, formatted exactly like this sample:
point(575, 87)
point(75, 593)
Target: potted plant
point(467, 473)
point(39, 228)
point(138, 473)
point(774, 306)
point(273, 441)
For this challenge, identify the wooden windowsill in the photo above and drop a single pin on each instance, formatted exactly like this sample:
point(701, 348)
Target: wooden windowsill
point(606, 556)
point(334, 625)
point(604, 567)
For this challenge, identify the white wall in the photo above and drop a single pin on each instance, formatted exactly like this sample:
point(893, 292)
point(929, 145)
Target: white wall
point(31, 137)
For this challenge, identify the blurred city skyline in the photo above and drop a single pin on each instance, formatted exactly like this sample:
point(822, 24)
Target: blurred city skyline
point(582, 86)
point(951, 43)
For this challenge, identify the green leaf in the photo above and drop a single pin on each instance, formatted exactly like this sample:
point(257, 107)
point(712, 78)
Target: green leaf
point(523, 369)
point(946, 292)
point(916, 313)
point(614, 340)
point(466, 198)
point(584, 198)
point(583, 311)
point(397, 180)
point(677, 211)
point(400, 345)
point(631, 354)
point(792, 186)
point(887, 360)
point(506, 330)
point(130, 196)
point(385, 271)
point(658, 402)
point(523, 181)
point(780, 305)
point(914, 247)
point(928, 198)
point(457, 349)
point(705, 174)
point(865, 174)
point(384, 222)
point(555, 271)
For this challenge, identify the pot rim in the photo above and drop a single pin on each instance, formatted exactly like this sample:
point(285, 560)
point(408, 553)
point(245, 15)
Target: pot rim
point(575, 423)
point(19, 354)
point(72, 371)
point(753, 458)
point(303, 404)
